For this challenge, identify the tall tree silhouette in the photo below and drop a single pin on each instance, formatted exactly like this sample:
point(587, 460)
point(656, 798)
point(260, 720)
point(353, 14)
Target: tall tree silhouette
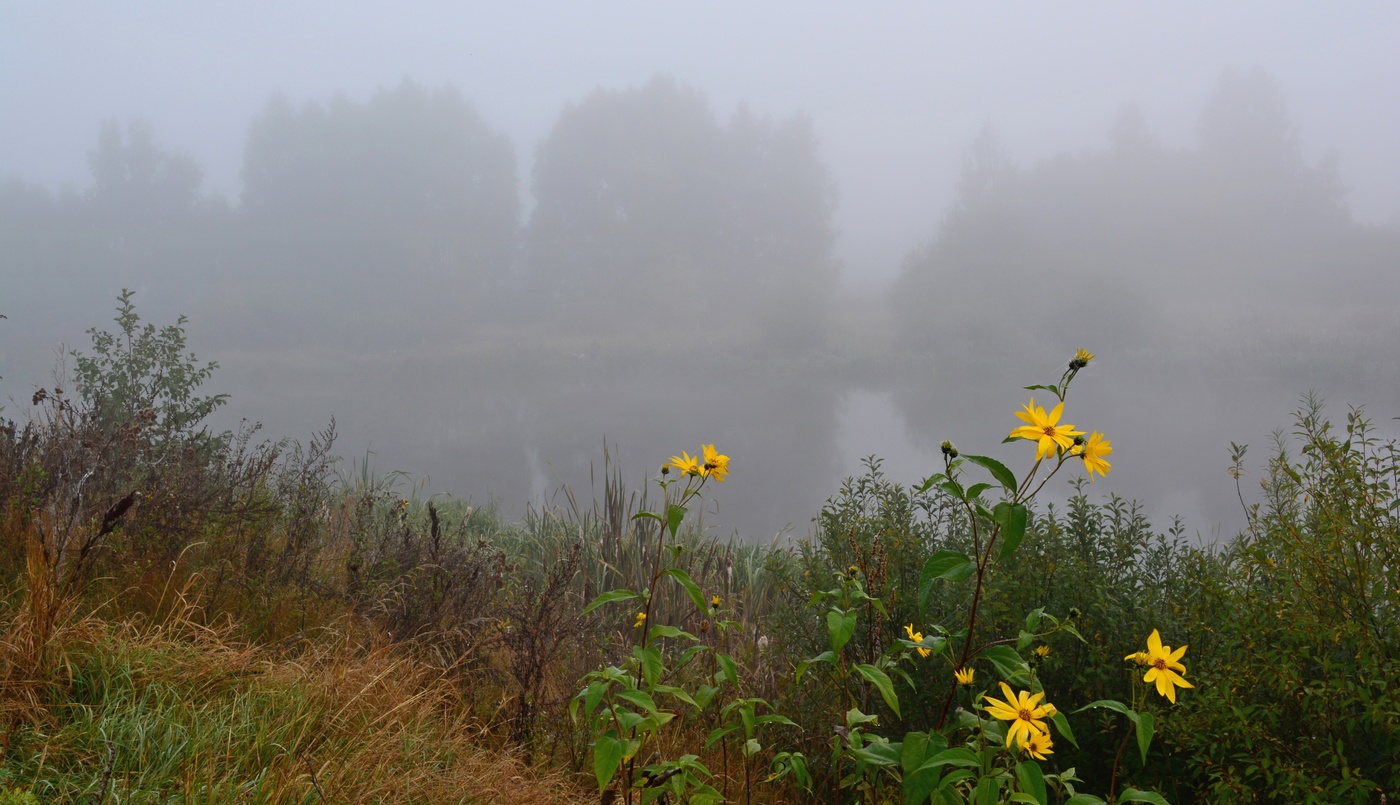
point(651, 215)
point(404, 208)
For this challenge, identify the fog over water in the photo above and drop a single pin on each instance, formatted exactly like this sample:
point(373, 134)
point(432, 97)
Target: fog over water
point(491, 241)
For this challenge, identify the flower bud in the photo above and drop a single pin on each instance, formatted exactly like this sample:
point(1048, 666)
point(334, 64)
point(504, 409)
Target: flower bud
point(949, 450)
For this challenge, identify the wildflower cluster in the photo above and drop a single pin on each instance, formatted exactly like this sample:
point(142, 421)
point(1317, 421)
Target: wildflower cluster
point(710, 464)
point(1063, 440)
point(1165, 668)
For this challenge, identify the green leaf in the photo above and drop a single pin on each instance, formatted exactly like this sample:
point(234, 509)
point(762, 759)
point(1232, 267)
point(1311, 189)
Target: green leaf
point(930, 482)
point(727, 668)
point(640, 698)
point(1144, 734)
point(717, 733)
point(1013, 530)
point(1004, 476)
point(953, 489)
point(1020, 796)
point(987, 792)
point(825, 656)
point(1031, 781)
point(662, 630)
point(674, 515)
point(977, 489)
point(952, 565)
point(645, 515)
point(1062, 726)
point(1069, 627)
point(882, 683)
point(1109, 704)
point(693, 589)
point(1033, 618)
point(1134, 795)
point(1084, 799)
point(650, 660)
point(958, 756)
point(608, 752)
point(610, 597)
point(678, 693)
point(841, 625)
point(1010, 665)
point(592, 695)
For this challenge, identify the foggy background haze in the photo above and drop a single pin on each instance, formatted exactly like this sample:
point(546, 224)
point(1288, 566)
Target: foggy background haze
point(487, 238)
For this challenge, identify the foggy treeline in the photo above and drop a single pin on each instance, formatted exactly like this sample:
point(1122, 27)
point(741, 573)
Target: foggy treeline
point(666, 275)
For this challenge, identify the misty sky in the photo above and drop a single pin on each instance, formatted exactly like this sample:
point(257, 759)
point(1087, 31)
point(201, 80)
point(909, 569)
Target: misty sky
point(895, 93)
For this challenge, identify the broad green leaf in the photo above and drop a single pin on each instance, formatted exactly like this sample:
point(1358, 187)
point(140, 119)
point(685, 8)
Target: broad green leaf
point(1023, 797)
point(977, 489)
point(987, 792)
point(882, 683)
point(876, 754)
point(953, 489)
point(841, 625)
point(719, 732)
point(678, 693)
point(1034, 617)
point(1084, 799)
point(664, 630)
point(952, 565)
point(958, 756)
point(1013, 530)
point(1109, 704)
point(1144, 734)
point(693, 589)
point(1031, 781)
point(727, 668)
point(607, 754)
point(650, 660)
point(825, 656)
point(645, 515)
point(930, 482)
point(1009, 664)
point(1134, 795)
point(640, 698)
point(1004, 476)
point(610, 597)
point(674, 515)
point(854, 716)
point(1062, 726)
point(775, 718)
point(593, 695)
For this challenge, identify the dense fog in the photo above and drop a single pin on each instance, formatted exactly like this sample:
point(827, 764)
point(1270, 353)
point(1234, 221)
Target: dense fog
point(519, 259)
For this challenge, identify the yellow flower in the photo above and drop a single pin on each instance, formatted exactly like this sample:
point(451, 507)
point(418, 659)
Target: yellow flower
point(641, 619)
point(714, 602)
point(964, 675)
point(1043, 651)
point(1023, 710)
point(716, 465)
point(916, 637)
point(1044, 429)
point(686, 464)
point(1093, 452)
point(1038, 745)
point(1165, 665)
point(1081, 359)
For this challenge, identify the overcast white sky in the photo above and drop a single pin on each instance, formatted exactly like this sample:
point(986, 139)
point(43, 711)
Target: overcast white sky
point(896, 90)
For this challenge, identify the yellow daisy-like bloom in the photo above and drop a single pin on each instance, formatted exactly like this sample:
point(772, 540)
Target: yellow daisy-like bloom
point(716, 466)
point(916, 637)
point(1038, 745)
point(641, 619)
point(714, 602)
point(1044, 429)
point(964, 675)
point(1165, 666)
point(1081, 358)
point(686, 464)
point(1043, 651)
point(1023, 710)
point(1093, 452)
